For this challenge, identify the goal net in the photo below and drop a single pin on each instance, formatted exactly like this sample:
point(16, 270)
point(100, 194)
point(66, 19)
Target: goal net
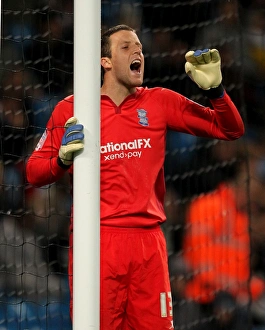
point(36, 72)
point(36, 67)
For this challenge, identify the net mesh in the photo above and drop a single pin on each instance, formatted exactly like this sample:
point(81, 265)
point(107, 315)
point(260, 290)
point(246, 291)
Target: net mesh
point(36, 72)
point(36, 68)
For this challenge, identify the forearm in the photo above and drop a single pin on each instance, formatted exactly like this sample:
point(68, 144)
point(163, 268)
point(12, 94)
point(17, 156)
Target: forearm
point(227, 119)
point(41, 171)
point(222, 122)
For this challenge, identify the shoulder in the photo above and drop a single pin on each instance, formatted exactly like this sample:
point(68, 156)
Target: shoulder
point(69, 99)
point(66, 103)
point(63, 110)
point(154, 90)
point(159, 92)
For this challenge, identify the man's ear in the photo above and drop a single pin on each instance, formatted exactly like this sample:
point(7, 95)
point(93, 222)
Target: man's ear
point(105, 62)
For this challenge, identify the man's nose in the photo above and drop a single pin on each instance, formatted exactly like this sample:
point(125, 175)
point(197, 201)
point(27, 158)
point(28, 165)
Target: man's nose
point(138, 50)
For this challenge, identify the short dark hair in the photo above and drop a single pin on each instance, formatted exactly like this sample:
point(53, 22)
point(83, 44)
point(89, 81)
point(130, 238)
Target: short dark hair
point(105, 38)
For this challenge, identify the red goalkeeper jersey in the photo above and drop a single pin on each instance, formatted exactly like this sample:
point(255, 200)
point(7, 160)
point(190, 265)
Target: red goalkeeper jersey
point(133, 138)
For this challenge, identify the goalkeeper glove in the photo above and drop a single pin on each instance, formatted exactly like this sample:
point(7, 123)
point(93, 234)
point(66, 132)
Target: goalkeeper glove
point(204, 68)
point(72, 141)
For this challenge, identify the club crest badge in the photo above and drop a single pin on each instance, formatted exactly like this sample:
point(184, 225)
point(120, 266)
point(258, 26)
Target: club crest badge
point(142, 115)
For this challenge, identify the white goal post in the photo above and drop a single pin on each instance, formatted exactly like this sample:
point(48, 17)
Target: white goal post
point(86, 270)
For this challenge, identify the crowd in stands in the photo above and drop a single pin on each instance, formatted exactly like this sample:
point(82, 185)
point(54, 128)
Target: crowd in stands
point(215, 191)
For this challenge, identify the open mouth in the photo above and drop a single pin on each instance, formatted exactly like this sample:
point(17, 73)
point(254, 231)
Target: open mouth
point(136, 66)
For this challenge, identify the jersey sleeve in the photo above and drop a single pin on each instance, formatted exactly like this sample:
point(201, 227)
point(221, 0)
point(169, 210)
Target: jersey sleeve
point(222, 121)
point(42, 167)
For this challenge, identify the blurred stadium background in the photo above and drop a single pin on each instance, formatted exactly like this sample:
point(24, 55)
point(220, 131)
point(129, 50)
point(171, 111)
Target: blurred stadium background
point(36, 71)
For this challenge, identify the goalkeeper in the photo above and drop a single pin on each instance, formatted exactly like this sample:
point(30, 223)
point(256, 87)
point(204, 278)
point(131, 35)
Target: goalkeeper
point(135, 287)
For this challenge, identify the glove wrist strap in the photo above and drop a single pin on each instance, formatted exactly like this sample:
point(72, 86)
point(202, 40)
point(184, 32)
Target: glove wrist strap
point(214, 93)
point(61, 164)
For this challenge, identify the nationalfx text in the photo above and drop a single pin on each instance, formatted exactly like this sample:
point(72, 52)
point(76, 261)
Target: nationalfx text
point(128, 150)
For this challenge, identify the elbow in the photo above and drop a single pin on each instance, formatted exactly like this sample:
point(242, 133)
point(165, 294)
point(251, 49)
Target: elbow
point(235, 134)
point(35, 181)
point(241, 132)
point(31, 179)
point(31, 175)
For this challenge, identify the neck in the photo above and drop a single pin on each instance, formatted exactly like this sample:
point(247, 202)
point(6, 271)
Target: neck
point(117, 92)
